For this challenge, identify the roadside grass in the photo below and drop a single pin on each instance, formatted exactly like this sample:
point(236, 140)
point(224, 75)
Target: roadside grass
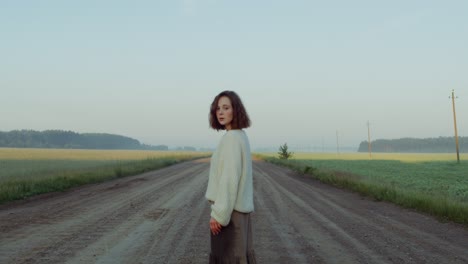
point(430, 183)
point(28, 172)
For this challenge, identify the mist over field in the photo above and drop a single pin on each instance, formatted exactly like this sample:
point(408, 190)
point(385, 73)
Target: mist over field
point(310, 74)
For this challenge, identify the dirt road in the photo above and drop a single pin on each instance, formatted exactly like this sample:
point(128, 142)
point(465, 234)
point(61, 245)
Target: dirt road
point(162, 217)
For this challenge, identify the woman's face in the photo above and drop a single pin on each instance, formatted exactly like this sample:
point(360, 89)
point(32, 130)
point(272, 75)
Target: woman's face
point(224, 112)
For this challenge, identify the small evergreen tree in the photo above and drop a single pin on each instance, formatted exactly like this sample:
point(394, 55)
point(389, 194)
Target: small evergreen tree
point(283, 152)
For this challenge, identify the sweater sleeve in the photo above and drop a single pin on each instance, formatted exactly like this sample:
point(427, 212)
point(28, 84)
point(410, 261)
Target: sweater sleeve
point(230, 173)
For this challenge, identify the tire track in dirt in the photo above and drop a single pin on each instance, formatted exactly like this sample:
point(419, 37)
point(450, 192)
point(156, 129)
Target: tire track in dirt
point(330, 240)
point(155, 227)
point(274, 233)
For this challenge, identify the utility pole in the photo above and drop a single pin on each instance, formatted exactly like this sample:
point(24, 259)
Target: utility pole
point(368, 140)
point(455, 125)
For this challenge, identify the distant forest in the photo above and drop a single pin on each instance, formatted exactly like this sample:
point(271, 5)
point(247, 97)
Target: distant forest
point(70, 140)
point(416, 145)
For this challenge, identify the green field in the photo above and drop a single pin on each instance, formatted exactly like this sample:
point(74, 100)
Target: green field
point(433, 183)
point(27, 172)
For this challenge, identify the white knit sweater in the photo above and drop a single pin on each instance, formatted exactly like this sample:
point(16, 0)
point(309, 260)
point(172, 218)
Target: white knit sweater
point(230, 184)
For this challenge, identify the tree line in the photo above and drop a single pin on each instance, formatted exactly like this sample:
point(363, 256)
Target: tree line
point(70, 139)
point(416, 145)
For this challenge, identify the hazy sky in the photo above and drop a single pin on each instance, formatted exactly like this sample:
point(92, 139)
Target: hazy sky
point(304, 69)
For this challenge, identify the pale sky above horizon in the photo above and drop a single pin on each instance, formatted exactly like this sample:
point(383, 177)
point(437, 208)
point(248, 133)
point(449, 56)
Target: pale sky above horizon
point(304, 69)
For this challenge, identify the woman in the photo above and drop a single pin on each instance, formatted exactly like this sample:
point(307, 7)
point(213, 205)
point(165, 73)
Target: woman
point(230, 187)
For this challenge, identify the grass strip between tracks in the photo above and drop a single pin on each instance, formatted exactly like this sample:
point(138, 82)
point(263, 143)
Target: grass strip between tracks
point(16, 188)
point(441, 206)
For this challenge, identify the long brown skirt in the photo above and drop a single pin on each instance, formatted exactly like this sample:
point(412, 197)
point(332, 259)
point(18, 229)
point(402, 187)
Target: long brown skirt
point(233, 245)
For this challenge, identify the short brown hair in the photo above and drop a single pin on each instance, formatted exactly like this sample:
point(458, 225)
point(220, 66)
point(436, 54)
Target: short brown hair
point(240, 118)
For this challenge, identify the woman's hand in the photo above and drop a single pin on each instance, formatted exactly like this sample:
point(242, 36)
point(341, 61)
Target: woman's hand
point(215, 226)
